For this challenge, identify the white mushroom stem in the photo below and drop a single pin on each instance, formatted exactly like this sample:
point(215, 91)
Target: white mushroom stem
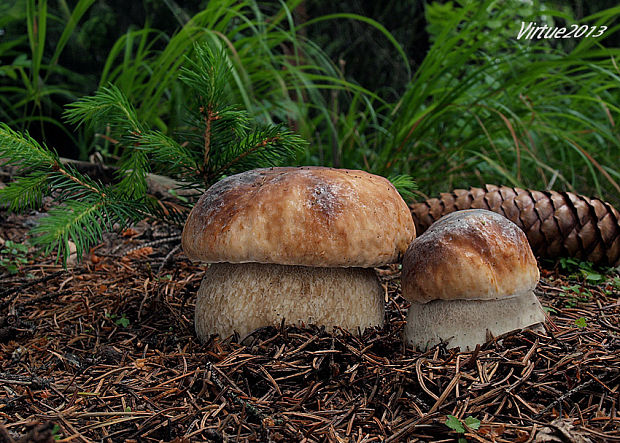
point(243, 297)
point(467, 323)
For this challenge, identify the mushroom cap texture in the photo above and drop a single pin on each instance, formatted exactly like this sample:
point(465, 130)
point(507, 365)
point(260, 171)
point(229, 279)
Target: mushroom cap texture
point(309, 216)
point(244, 297)
point(464, 323)
point(472, 255)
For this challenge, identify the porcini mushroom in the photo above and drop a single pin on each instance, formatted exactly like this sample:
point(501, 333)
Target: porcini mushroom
point(295, 244)
point(471, 274)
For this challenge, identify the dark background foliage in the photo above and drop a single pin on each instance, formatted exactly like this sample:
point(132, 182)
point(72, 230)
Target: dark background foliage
point(349, 127)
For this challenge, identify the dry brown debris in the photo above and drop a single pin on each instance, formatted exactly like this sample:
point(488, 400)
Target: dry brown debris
point(107, 352)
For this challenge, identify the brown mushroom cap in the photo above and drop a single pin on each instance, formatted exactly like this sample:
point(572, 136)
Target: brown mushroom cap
point(469, 255)
point(309, 216)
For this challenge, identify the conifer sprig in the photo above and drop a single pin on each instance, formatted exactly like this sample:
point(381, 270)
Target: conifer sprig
point(85, 208)
point(222, 140)
point(27, 192)
point(264, 145)
point(108, 106)
point(230, 142)
point(166, 153)
point(23, 151)
point(41, 167)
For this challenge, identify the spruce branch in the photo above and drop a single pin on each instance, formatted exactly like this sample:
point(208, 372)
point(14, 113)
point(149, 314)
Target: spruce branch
point(208, 75)
point(167, 154)
point(108, 106)
point(78, 221)
point(82, 222)
point(41, 166)
point(222, 139)
point(23, 151)
point(77, 178)
point(263, 146)
point(26, 193)
point(85, 203)
point(132, 171)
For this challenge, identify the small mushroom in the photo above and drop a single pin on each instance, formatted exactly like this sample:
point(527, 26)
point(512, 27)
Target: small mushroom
point(470, 275)
point(297, 244)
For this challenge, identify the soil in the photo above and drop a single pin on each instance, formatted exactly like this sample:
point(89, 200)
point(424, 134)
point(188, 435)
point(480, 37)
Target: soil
point(106, 351)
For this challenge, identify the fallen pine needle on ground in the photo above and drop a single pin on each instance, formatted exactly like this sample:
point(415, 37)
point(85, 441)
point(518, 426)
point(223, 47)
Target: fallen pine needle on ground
point(106, 351)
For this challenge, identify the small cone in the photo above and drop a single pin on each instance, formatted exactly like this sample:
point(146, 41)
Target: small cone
point(557, 224)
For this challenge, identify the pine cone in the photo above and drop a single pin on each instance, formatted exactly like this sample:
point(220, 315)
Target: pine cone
point(557, 224)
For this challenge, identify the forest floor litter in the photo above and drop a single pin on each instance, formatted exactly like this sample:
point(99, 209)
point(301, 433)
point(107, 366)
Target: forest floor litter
point(106, 351)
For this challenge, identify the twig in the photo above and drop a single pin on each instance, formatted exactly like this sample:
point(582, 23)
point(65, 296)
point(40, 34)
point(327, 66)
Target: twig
point(168, 257)
point(26, 286)
point(159, 241)
point(563, 397)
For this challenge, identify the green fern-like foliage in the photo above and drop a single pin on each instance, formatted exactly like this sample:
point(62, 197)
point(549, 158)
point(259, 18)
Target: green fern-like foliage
point(222, 140)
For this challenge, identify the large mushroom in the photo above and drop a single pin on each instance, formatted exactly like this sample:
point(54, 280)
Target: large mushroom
point(296, 244)
point(471, 275)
